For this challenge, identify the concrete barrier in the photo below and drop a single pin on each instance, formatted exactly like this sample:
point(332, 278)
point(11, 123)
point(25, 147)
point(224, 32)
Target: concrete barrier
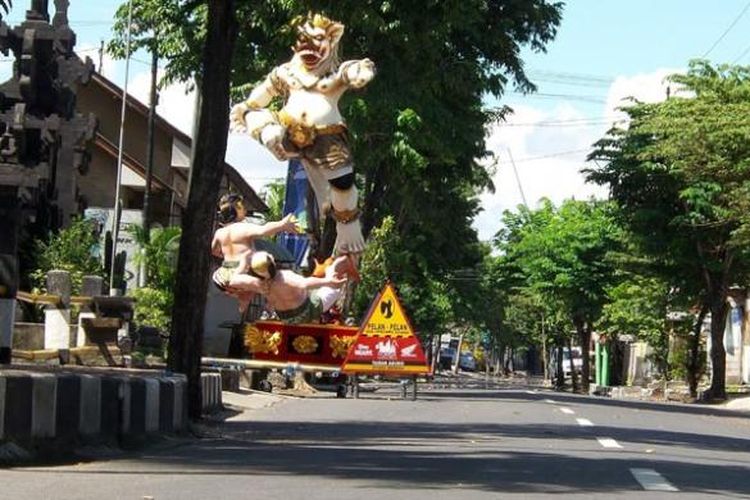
point(70, 406)
point(211, 391)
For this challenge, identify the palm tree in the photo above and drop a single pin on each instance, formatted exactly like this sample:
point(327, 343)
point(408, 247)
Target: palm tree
point(6, 6)
point(273, 196)
point(157, 253)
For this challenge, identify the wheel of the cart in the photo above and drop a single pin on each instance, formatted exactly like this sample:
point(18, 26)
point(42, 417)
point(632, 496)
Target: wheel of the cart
point(265, 386)
point(341, 391)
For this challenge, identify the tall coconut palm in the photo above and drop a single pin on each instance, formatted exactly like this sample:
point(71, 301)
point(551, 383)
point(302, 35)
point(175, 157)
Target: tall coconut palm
point(5, 5)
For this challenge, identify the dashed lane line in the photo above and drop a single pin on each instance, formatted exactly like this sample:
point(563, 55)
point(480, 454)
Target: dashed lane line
point(651, 480)
point(531, 392)
point(584, 422)
point(608, 442)
point(550, 401)
point(567, 411)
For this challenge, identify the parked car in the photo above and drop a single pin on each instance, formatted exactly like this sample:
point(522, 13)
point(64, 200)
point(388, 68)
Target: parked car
point(467, 362)
point(570, 362)
point(447, 355)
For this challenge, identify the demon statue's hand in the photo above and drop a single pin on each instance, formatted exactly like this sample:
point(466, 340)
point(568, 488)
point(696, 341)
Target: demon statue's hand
point(272, 137)
point(237, 118)
point(358, 73)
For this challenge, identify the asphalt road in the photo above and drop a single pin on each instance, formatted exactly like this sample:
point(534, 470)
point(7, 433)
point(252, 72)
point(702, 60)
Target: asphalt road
point(476, 441)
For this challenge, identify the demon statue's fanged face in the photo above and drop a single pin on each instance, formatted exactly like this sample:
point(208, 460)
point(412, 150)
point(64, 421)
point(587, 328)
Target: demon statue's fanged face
point(317, 43)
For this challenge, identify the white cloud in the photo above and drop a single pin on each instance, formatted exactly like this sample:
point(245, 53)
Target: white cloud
point(550, 149)
point(177, 105)
point(645, 87)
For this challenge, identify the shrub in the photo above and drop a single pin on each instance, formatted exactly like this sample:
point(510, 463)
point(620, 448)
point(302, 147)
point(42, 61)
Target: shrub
point(72, 249)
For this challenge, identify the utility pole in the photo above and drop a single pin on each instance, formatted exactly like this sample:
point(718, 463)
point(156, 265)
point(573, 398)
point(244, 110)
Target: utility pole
point(153, 100)
point(518, 179)
point(116, 216)
point(101, 56)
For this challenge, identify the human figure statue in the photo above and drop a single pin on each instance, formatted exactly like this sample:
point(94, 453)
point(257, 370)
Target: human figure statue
point(294, 298)
point(309, 126)
point(234, 243)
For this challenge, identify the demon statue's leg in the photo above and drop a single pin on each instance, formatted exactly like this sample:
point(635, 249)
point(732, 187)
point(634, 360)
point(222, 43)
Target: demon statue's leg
point(349, 239)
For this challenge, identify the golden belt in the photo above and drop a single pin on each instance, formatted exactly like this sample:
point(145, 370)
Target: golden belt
point(303, 135)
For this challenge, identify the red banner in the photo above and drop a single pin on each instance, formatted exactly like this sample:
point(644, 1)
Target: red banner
point(306, 343)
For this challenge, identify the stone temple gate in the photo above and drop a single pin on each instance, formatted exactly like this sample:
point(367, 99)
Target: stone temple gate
point(43, 140)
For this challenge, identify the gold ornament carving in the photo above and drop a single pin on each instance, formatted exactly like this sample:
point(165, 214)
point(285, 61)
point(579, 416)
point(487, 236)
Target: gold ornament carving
point(262, 341)
point(305, 344)
point(340, 345)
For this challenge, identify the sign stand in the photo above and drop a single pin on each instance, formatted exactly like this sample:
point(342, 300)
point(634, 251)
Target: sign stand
point(386, 344)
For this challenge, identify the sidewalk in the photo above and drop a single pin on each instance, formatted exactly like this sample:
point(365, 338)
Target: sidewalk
point(251, 400)
point(741, 403)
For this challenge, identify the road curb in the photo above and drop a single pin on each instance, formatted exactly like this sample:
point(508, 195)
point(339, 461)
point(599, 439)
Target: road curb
point(58, 410)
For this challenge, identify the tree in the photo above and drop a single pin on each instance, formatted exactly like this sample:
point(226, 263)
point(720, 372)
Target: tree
point(681, 174)
point(561, 254)
point(193, 266)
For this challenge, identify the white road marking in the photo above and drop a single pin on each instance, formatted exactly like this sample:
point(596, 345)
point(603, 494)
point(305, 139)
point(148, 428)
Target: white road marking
point(584, 422)
point(531, 392)
point(608, 443)
point(567, 411)
point(550, 401)
point(652, 480)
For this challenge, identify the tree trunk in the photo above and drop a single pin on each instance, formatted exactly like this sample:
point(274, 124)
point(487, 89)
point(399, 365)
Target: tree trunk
point(573, 372)
point(583, 329)
point(193, 266)
point(694, 361)
point(719, 309)
point(560, 375)
point(498, 359)
point(458, 353)
point(545, 361)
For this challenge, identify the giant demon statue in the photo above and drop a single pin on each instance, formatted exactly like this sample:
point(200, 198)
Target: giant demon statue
point(309, 126)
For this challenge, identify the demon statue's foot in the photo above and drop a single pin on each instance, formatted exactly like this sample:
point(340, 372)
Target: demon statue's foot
point(349, 239)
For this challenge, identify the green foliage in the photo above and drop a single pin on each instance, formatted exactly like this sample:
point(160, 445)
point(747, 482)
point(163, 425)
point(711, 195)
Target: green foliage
point(562, 252)
point(273, 196)
point(158, 254)
point(153, 307)
point(556, 261)
point(638, 306)
point(71, 249)
point(427, 303)
point(681, 175)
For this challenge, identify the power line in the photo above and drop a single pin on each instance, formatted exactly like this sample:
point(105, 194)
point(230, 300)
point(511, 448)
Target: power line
point(575, 97)
point(551, 155)
point(726, 31)
point(572, 76)
point(564, 123)
point(742, 55)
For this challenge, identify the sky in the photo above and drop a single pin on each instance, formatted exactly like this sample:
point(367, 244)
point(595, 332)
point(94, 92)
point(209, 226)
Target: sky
point(605, 51)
